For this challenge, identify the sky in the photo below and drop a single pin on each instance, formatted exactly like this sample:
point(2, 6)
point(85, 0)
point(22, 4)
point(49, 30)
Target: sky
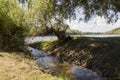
point(95, 24)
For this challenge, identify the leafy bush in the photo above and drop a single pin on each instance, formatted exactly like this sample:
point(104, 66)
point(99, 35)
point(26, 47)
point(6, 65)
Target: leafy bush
point(12, 30)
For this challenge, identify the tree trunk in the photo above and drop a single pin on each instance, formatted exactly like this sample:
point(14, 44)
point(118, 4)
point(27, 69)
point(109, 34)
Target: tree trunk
point(1, 41)
point(63, 36)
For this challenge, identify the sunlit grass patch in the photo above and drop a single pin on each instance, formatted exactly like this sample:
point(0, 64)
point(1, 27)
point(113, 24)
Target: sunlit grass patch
point(15, 67)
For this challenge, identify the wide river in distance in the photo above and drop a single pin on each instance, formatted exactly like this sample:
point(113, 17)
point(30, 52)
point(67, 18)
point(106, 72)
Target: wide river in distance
point(46, 38)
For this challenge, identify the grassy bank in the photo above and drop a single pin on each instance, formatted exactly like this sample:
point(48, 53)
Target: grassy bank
point(17, 67)
point(114, 31)
point(99, 54)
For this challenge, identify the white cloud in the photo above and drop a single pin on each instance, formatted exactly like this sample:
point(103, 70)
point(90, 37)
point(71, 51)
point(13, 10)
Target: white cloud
point(96, 24)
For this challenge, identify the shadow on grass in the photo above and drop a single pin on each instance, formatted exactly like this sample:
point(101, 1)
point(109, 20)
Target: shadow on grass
point(99, 54)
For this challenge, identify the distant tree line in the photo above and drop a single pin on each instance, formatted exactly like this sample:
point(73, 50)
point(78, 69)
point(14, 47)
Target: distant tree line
point(114, 31)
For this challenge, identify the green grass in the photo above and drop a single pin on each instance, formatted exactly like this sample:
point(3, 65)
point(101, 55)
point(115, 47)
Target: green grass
point(16, 67)
point(99, 54)
point(41, 45)
point(114, 31)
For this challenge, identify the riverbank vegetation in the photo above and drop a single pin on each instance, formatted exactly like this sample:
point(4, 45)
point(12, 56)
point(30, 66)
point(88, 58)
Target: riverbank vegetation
point(12, 25)
point(102, 55)
point(77, 32)
point(15, 66)
point(18, 19)
point(114, 31)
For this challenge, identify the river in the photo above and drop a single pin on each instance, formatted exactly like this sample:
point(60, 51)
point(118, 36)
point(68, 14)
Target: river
point(72, 71)
point(45, 38)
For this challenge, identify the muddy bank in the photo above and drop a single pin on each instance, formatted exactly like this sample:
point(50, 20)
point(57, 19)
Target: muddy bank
point(102, 55)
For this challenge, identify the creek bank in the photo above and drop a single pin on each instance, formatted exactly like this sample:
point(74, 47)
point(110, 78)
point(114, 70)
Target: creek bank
point(72, 72)
point(101, 55)
point(16, 66)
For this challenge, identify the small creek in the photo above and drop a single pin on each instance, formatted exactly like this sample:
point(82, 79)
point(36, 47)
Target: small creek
point(72, 71)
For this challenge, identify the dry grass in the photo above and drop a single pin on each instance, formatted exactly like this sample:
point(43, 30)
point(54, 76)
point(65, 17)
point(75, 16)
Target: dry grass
point(15, 67)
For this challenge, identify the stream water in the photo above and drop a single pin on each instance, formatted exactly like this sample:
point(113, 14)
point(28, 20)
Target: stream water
point(73, 72)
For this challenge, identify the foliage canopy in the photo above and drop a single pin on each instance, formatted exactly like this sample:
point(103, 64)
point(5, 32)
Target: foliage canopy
point(107, 8)
point(48, 15)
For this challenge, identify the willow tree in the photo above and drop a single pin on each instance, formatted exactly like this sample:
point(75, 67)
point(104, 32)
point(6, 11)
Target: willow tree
point(12, 28)
point(45, 11)
point(46, 18)
point(107, 8)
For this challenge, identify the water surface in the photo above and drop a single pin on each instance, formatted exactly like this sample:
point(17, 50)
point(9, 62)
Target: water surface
point(46, 38)
point(71, 71)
